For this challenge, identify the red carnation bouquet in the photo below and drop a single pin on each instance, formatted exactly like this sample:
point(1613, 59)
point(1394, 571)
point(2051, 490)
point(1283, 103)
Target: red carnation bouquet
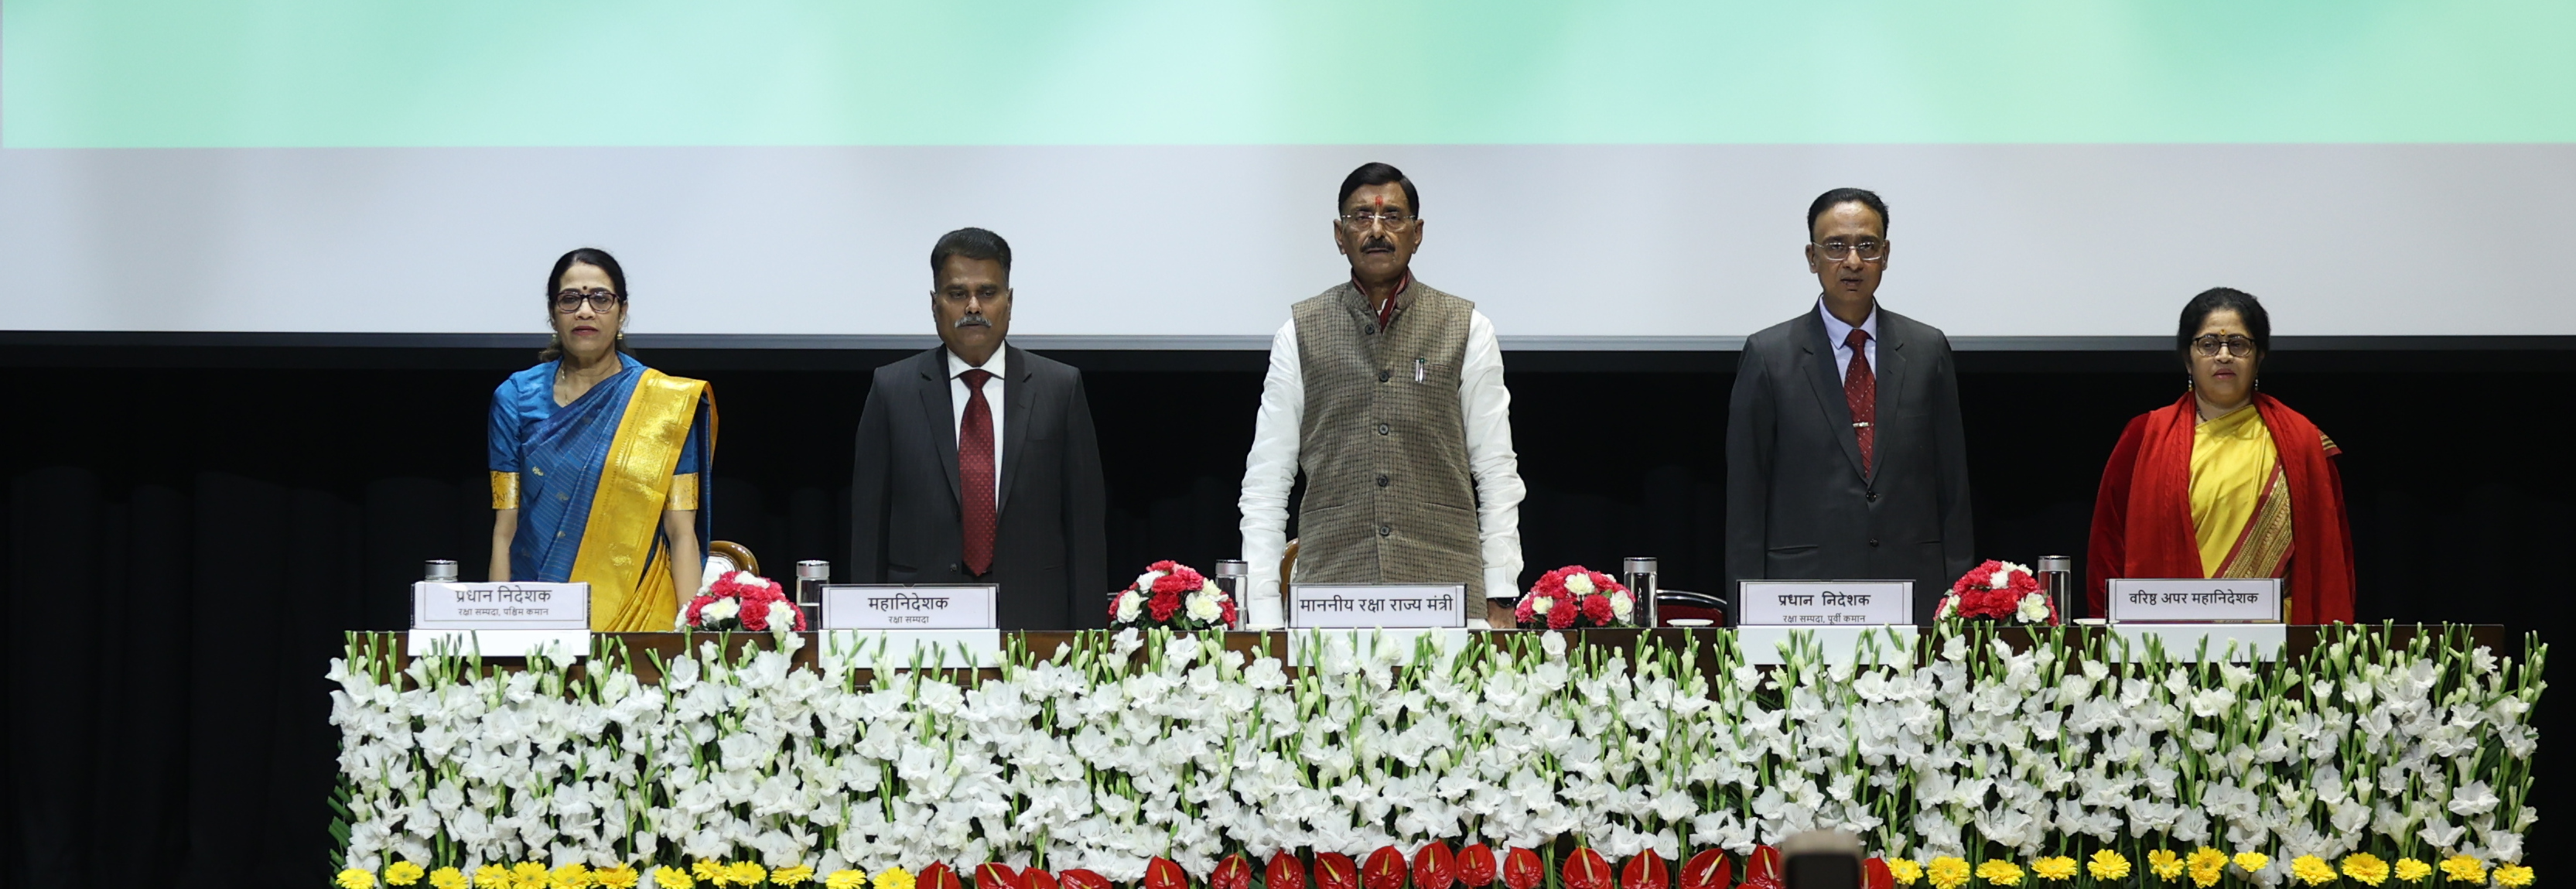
point(741, 600)
point(1575, 596)
point(1174, 596)
point(1999, 591)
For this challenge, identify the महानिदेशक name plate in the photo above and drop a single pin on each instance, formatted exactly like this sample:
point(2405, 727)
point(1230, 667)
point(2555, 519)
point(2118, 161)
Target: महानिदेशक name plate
point(500, 606)
point(2211, 600)
point(1326, 606)
point(872, 606)
point(1823, 603)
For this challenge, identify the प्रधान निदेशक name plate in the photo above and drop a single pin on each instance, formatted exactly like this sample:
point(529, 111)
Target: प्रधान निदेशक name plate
point(500, 606)
point(1316, 606)
point(876, 606)
point(1823, 603)
point(2206, 600)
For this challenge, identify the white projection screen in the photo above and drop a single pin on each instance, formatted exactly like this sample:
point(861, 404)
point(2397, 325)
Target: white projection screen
point(1582, 195)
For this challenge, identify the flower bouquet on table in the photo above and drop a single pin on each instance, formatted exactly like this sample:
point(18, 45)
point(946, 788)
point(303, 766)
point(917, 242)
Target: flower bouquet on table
point(1172, 596)
point(741, 600)
point(1575, 596)
point(2002, 592)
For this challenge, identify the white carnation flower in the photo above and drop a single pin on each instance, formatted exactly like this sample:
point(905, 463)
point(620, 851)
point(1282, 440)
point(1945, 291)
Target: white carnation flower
point(1579, 584)
point(1622, 605)
point(782, 616)
point(1145, 581)
point(2034, 609)
point(1541, 604)
point(1202, 606)
point(1129, 604)
point(720, 609)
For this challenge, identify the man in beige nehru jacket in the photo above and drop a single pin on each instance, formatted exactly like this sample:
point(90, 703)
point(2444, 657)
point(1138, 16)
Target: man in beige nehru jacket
point(1389, 396)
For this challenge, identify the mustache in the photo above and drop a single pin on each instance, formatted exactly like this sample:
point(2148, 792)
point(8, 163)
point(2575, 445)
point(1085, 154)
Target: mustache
point(1378, 242)
point(970, 321)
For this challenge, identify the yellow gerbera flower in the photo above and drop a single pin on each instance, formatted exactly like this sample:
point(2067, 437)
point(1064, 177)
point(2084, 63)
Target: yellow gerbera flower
point(709, 870)
point(2206, 866)
point(747, 873)
point(402, 873)
point(530, 875)
point(893, 878)
point(2165, 863)
point(2251, 861)
point(846, 879)
point(1948, 872)
point(1999, 872)
point(2513, 876)
point(353, 878)
point(615, 876)
point(2413, 871)
point(1904, 870)
point(573, 876)
point(2365, 868)
point(492, 876)
point(668, 877)
point(2464, 869)
point(2059, 869)
point(2312, 870)
point(2109, 865)
point(447, 878)
point(794, 875)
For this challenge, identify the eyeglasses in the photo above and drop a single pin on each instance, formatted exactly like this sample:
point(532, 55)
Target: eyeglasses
point(2208, 346)
point(1392, 221)
point(1869, 250)
point(569, 301)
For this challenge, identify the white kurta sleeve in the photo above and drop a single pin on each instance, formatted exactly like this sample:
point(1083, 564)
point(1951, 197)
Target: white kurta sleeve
point(1490, 459)
point(1269, 472)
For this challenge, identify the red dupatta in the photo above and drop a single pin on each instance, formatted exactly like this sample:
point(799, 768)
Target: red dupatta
point(2142, 515)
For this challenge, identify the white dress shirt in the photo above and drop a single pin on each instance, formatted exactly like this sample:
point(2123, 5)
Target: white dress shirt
point(1271, 469)
point(1836, 332)
point(957, 396)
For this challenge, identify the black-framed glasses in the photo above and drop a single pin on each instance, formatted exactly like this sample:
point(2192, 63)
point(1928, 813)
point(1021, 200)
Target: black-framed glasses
point(1869, 249)
point(569, 301)
point(2208, 346)
point(1392, 221)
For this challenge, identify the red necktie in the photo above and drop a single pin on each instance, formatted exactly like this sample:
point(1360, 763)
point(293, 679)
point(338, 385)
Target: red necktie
point(1860, 392)
point(975, 472)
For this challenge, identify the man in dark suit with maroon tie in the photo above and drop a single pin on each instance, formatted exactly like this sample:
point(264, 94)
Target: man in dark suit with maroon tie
point(977, 461)
point(1845, 455)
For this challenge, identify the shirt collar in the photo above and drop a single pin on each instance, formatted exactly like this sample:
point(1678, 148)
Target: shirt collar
point(957, 367)
point(1836, 331)
point(1403, 292)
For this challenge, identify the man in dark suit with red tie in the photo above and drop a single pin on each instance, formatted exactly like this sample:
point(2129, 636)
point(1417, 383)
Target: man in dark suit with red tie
point(1845, 455)
point(977, 461)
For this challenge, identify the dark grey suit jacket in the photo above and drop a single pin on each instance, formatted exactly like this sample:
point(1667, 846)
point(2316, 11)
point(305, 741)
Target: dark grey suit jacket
point(1050, 555)
point(1798, 504)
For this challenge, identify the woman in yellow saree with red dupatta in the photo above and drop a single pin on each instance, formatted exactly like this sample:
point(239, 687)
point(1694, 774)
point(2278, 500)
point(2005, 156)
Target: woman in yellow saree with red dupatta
point(2226, 481)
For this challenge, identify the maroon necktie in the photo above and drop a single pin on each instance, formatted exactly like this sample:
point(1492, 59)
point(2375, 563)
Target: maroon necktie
point(1860, 392)
point(975, 471)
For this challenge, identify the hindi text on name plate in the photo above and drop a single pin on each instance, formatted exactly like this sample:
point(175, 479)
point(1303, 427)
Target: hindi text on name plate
point(2195, 600)
point(500, 606)
point(868, 606)
point(1362, 605)
point(1824, 603)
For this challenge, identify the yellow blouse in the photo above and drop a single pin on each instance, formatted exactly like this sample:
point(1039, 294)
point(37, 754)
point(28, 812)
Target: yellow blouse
point(2231, 460)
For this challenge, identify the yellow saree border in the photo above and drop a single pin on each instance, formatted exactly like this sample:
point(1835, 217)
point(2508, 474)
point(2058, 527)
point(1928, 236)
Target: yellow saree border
point(2263, 548)
point(620, 554)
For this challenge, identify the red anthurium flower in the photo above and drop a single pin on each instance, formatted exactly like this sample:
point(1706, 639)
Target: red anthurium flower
point(1586, 870)
point(1384, 870)
point(1285, 871)
point(996, 875)
point(1476, 866)
point(1434, 867)
point(1763, 866)
point(1523, 870)
point(1034, 878)
point(1233, 873)
point(1875, 875)
point(1645, 871)
point(1083, 878)
point(1334, 870)
point(1707, 870)
point(1164, 873)
point(937, 876)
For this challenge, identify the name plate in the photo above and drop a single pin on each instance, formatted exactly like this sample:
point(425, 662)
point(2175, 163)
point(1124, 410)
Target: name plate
point(1823, 603)
point(1366, 605)
point(875, 606)
point(2211, 600)
point(500, 606)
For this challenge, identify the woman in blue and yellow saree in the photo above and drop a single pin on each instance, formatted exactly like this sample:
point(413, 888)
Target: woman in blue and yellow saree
point(596, 461)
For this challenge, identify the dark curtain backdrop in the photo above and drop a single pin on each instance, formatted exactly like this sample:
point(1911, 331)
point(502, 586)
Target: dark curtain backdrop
point(187, 542)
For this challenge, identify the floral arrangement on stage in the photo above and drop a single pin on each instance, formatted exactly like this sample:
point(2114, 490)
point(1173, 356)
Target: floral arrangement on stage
point(2379, 759)
point(1171, 596)
point(2004, 592)
point(741, 601)
point(1575, 597)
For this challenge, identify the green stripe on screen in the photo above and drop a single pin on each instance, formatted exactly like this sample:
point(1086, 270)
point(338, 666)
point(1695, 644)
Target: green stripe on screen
point(301, 73)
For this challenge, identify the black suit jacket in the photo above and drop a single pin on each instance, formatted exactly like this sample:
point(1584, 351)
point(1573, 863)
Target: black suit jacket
point(1050, 555)
point(1799, 505)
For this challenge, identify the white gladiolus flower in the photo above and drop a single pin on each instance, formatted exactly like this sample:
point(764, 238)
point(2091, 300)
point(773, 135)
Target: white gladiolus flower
point(1579, 584)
